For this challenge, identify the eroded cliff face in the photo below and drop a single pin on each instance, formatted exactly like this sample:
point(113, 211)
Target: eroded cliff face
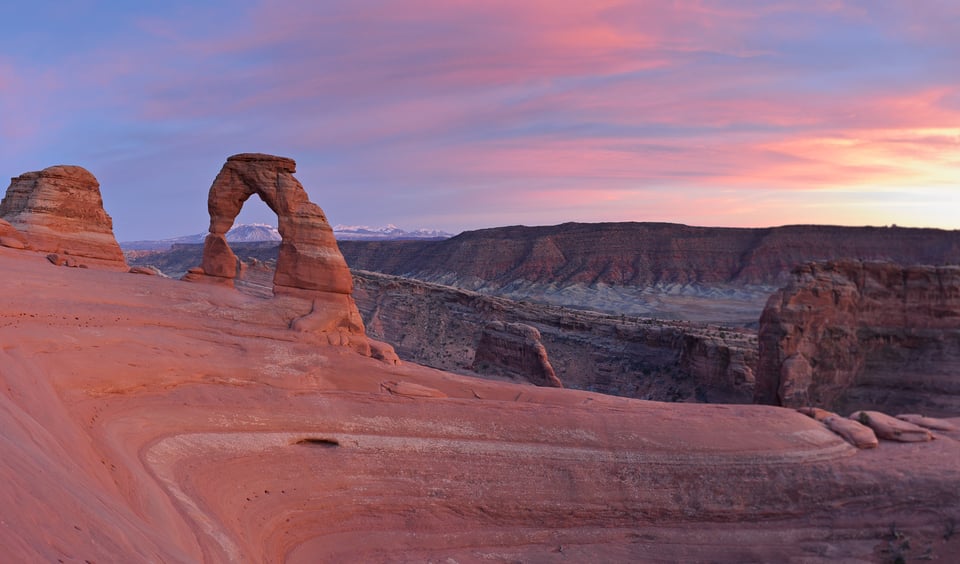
point(627, 356)
point(59, 210)
point(515, 348)
point(852, 335)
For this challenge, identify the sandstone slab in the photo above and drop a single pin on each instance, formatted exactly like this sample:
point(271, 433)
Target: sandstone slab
point(855, 433)
point(928, 422)
point(891, 428)
point(148, 420)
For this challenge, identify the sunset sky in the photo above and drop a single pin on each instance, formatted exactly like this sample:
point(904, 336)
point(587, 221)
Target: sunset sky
point(464, 114)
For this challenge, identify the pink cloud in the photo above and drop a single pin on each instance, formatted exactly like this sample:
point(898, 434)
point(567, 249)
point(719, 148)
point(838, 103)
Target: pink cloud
point(606, 105)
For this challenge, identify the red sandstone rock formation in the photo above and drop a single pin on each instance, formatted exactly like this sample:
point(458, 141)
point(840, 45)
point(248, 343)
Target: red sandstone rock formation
point(309, 258)
point(928, 422)
point(310, 267)
point(514, 349)
point(148, 420)
point(853, 335)
point(59, 209)
point(10, 237)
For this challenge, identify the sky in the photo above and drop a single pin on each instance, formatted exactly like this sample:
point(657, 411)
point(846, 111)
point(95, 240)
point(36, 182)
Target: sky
point(458, 115)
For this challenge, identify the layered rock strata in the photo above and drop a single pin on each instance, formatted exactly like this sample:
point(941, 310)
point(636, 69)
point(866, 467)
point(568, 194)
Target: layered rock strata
point(851, 335)
point(59, 209)
point(616, 354)
point(661, 270)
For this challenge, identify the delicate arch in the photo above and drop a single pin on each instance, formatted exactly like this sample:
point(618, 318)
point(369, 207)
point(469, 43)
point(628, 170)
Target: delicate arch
point(309, 257)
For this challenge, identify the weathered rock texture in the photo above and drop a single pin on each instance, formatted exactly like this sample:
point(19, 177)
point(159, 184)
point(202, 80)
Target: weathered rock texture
point(309, 267)
point(514, 348)
point(656, 269)
point(309, 258)
point(59, 209)
point(850, 335)
point(148, 420)
point(616, 354)
point(10, 237)
point(892, 428)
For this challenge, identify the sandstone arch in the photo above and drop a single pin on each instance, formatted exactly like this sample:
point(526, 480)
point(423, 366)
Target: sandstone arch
point(309, 257)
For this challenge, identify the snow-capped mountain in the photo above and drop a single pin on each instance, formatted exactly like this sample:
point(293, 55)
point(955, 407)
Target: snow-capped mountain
point(389, 231)
point(255, 232)
point(243, 233)
point(251, 232)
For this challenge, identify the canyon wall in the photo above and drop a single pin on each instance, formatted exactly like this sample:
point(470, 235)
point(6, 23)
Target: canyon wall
point(441, 326)
point(850, 335)
point(661, 270)
point(644, 254)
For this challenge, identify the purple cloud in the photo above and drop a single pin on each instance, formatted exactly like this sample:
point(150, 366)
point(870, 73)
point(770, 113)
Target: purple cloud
point(466, 114)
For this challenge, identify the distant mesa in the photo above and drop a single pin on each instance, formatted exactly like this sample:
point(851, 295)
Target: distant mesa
point(59, 210)
point(613, 266)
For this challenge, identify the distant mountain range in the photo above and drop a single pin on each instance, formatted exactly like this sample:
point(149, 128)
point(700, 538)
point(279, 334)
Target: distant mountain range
point(257, 232)
point(388, 232)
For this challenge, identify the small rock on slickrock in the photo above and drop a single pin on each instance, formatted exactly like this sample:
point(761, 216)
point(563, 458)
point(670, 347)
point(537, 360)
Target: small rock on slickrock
point(891, 428)
point(855, 433)
point(816, 412)
point(928, 422)
point(147, 270)
point(411, 390)
point(59, 209)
